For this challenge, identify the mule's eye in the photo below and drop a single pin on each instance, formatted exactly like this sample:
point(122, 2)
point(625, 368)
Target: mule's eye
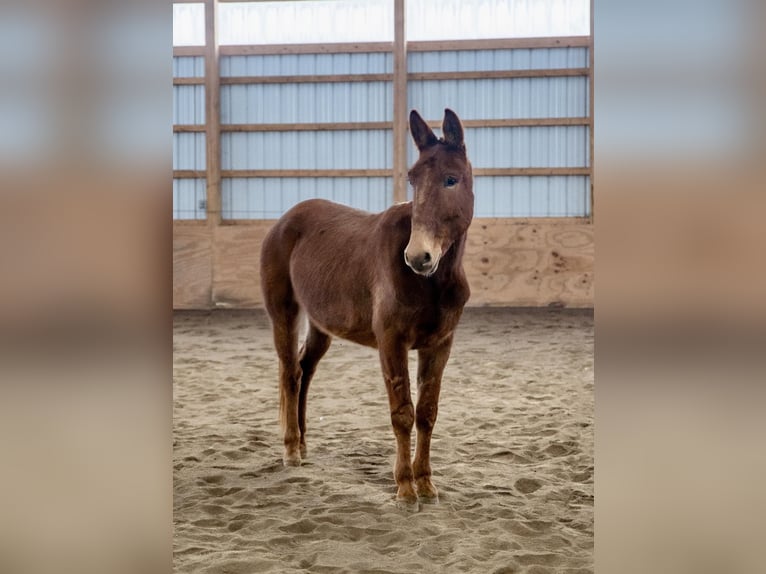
point(450, 181)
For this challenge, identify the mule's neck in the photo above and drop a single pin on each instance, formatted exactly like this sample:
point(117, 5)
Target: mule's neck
point(451, 263)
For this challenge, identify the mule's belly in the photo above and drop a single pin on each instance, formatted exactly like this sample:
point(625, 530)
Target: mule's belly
point(334, 293)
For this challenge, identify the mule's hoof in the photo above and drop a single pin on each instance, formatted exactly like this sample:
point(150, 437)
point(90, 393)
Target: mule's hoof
point(427, 492)
point(428, 499)
point(294, 460)
point(406, 495)
point(303, 451)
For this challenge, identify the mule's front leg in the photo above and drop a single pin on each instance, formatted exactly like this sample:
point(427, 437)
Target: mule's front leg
point(393, 358)
point(431, 363)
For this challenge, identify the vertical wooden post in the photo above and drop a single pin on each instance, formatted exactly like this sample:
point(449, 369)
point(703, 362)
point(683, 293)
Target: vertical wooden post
point(212, 114)
point(591, 85)
point(400, 103)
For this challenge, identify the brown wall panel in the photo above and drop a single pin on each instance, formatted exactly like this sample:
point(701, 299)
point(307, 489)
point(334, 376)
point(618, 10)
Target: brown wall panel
point(528, 263)
point(236, 259)
point(192, 269)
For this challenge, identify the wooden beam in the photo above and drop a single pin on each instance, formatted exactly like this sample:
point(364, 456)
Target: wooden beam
point(189, 174)
point(307, 127)
point(212, 114)
point(331, 48)
point(378, 47)
point(186, 51)
point(517, 122)
point(498, 74)
point(186, 128)
point(530, 171)
point(306, 79)
point(499, 44)
point(415, 76)
point(230, 173)
point(189, 81)
point(477, 171)
point(354, 126)
point(400, 116)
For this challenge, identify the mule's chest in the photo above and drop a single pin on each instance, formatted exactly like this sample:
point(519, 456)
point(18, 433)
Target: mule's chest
point(431, 326)
point(434, 313)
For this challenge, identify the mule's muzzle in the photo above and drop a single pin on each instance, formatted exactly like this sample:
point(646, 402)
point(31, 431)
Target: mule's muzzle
point(422, 263)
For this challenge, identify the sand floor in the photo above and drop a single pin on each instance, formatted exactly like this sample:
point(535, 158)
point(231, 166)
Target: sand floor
point(512, 454)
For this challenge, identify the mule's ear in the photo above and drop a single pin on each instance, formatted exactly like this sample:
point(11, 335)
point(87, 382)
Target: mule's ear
point(452, 129)
point(423, 135)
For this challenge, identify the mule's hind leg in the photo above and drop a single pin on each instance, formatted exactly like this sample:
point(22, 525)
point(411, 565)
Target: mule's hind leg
point(314, 348)
point(286, 342)
point(284, 311)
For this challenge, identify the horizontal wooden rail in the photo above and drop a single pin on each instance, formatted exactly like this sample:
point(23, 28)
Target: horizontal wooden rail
point(329, 48)
point(232, 173)
point(378, 47)
point(307, 127)
point(499, 44)
point(247, 173)
point(518, 122)
point(188, 51)
point(413, 76)
point(189, 174)
point(530, 171)
point(279, 173)
point(498, 74)
point(189, 128)
point(191, 81)
point(306, 79)
point(352, 126)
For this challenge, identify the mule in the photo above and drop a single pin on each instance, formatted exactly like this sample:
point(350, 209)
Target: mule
point(392, 281)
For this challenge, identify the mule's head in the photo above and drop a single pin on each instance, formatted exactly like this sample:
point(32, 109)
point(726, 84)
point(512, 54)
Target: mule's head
point(442, 206)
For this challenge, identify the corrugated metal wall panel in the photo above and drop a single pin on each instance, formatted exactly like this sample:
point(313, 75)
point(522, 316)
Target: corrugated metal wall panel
point(188, 67)
point(189, 105)
point(189, 198)
point(189, 151)
point(559, 146)
point(307, 150)
point(488, 60)
point(306, 64)
point(306, 103)
point(269, 198)
point(373, 101)
point(549, 97)
point(539, 196)
point(501, 98)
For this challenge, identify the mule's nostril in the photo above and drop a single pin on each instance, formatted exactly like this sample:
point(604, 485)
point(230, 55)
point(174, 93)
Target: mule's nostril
point(426, 257)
